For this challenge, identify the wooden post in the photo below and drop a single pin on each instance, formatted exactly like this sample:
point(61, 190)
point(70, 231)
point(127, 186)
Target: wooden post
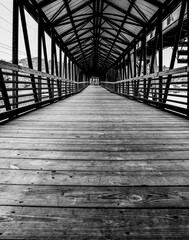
point(60, 70)
point(52, 62)
point(46, 64)
point(69, 74)
point(160, 30)
point(28, 52)
point(153, 59)
point(15, 40)
point(39, 53)
point(144, 62)
point(57, 71)
point(4, 92)
point(175, 48)
point(65, 71)
point(135, 69)
point(188, 58)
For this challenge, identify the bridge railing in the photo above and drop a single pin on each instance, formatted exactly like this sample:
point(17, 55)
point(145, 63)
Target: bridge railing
point(23, 89)
point(168, 90)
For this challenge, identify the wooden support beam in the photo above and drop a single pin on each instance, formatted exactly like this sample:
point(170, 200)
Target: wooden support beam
point(39, 53)
point(175, 48)
point(52, 61)
point(57, 70)
point(46, 63)
point(69, 69)
point(72, 71)
point(4, 92)
point(188, 58)
point(56, 60)
point(135, 68)
point(27, 46)
point(160, 46)
point(60, 69)
point(60, 61)
point(65, 71)
point(15, 43)
point(144, 60)
point(153, 58)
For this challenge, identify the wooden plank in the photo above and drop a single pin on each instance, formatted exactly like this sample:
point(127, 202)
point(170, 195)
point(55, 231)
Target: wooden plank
point(95, 169)
point(94, 197)
point(96, 147)
point(5, 141)
point(101, 178)
point(93, 165)
point(94, 224)
point(92, 126)
point(92, 155)
point(100, 134)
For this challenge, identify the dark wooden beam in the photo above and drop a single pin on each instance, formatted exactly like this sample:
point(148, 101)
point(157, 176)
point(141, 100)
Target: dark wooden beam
point(15, 43)
point(188, 58)
point(39, 50)
point(81, 24)
point(58, 21)
point(27, 46)
point(112, 4)
point(4, 92)
point(75, 30)
point(175, 48)
point(121, 27)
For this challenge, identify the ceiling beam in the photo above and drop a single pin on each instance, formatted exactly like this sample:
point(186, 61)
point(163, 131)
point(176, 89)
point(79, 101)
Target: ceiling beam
point(85, 4)
point(73, 25)
point(121, 27)
point(142, 23)
point(81, 24)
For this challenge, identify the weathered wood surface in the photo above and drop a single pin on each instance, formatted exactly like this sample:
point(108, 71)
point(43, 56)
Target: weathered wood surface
point(95, 166)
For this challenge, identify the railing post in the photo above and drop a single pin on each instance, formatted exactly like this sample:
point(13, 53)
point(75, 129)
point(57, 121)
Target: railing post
point(188, 59)
point(176, 43)
point(4, 92)
point(69, 75)
point(144, 62)
point(52, 62)
point(15, 40)
point(39, 53)
point(160, 57)
point(65, 72)
point(28, 52)
point(60, 70)
point(46, 64)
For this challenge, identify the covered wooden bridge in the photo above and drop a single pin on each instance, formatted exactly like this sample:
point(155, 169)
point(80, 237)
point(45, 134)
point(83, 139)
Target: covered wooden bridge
point(106, 160)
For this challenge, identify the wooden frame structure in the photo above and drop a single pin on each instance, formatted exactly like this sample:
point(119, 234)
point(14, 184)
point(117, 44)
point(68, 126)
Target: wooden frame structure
point(98, 38)
point(155, 87)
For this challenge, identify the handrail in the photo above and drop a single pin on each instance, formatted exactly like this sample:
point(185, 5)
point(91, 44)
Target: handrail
point(154, 89)
point(31, 89)
point(153, 75)
point(18, 68)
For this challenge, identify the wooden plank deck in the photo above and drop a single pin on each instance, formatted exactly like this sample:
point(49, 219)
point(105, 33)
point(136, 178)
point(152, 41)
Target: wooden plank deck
point(95, 166)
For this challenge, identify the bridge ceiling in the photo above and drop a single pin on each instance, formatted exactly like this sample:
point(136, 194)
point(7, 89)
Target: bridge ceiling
point(98, 31)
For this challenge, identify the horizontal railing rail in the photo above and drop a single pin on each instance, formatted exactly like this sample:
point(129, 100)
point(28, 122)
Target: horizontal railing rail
point(168, 90)
point(23, 89)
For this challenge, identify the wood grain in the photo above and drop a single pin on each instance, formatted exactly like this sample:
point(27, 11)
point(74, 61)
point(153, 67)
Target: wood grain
point(95, 166)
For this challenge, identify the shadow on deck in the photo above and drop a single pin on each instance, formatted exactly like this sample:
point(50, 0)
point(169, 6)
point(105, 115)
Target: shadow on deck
point(95, 166)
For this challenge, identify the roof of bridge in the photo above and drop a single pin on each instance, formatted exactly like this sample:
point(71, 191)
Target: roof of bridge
point(97, 32)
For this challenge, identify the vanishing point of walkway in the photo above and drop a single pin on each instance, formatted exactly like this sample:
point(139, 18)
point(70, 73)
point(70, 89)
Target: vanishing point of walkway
point(95, 166)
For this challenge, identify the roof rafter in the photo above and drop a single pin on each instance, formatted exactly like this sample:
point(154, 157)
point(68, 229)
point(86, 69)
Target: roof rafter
point(125, 12)
point(81, 24)
point(121, 27)
point(75, 30)
point(86, 3)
